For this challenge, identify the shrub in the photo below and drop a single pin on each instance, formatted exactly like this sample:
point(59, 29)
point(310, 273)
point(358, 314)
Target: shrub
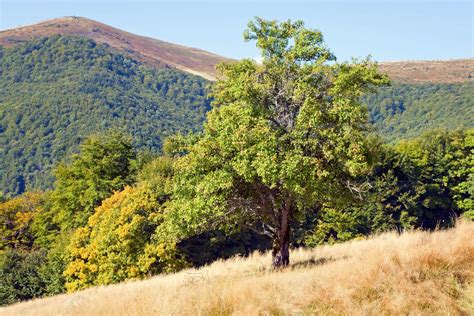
point(117, 243)
point(20, 275)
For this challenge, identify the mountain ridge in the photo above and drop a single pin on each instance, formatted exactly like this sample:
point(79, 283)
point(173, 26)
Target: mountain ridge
point(432, 71)
point(202, 63)
point(145, 49)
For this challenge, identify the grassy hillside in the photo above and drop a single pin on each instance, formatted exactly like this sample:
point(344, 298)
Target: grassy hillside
point(416, 273)
point(430, 71)
point(55, 91)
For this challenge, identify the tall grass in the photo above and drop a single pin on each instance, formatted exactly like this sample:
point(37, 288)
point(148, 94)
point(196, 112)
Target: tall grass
point(413, 273)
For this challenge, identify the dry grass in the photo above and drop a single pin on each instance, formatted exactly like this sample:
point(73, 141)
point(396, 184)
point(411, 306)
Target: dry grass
point(439, 71)
point(417, 273)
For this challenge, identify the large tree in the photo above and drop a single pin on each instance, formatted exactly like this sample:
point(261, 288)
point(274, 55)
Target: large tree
point(283, 137)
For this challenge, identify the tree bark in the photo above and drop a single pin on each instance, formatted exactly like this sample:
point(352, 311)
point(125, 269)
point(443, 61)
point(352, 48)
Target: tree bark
point(281, 243)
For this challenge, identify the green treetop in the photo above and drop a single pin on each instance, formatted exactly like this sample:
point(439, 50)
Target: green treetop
point(104, 165)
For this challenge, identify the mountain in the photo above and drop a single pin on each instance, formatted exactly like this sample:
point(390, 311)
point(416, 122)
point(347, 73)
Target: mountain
point(57, 90)
point(63, 79)
point(405, 110)
point(430, 71)
point(141, 48)
point(159, 53)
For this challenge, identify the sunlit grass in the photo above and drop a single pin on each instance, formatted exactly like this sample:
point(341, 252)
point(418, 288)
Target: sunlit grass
point(413, 273)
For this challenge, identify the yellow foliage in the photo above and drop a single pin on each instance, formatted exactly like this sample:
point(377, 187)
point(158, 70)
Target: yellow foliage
point(16, 217)
point(117, 242)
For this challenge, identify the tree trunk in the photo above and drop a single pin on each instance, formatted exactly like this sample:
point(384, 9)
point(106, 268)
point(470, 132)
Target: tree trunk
point(281, 243)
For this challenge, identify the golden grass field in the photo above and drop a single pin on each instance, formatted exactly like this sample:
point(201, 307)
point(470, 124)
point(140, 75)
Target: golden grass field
point(416, 273)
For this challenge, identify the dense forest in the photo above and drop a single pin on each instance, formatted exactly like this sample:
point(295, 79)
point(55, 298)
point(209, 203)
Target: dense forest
point(407, 110)
point(56, 91)
point(286, 158)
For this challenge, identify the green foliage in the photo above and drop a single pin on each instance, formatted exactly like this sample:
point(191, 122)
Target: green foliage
point(27, 268)
point(55, 264)
point(409, 110)
point(104, 165)
point(469, 215)
point(444, 164)
point(282, 137)
point(425, 182)
point(177, 145)
point(56, 91)
point(29, 274)
point(44, 227)
point(20, 276)
point(117, 242)
point(389, 204)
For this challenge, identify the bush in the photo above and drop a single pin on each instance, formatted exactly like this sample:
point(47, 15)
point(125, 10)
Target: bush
point(16, 218)
point(21, 277)
point(425, 182)
point(117, 243)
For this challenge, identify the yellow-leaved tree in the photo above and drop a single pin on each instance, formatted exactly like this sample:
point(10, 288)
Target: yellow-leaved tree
point(117, 243)
point(16, 218)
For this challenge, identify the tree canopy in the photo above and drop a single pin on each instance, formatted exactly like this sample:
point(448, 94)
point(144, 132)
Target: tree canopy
point(57, 91)
point(403, 111)
point(117, 243)
point(426, 182)
point(282, 137)
point(103, 165)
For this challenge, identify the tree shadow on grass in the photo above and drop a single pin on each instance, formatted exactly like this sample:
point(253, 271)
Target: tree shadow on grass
point(313, 262)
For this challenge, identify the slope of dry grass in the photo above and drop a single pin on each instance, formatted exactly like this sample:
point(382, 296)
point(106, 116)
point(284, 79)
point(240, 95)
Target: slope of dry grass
point(415, 273)
point(425, 71)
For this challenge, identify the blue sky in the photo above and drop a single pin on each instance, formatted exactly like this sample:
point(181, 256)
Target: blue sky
point(387, 30)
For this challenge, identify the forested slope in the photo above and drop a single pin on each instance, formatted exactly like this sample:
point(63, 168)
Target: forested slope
point(408, 110)
point(55, 91)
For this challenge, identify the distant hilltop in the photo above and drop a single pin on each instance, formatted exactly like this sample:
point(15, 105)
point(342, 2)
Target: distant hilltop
point(441, 71)
point(144, 49)
point(202, 63)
